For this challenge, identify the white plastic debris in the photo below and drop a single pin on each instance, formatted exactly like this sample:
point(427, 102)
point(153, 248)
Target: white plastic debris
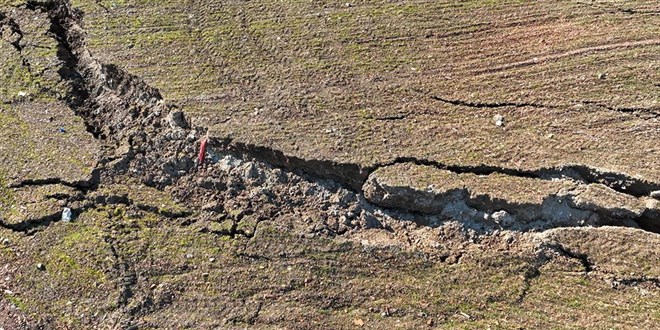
point(67, 214)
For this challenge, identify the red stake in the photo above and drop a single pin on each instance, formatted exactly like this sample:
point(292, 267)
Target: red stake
point(202, 151)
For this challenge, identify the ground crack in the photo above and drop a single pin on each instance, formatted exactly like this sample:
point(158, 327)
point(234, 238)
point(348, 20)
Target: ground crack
point(477, 104)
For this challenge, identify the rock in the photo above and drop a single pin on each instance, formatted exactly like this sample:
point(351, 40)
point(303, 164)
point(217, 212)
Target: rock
point(502, 218)
point(499, 120)
point(211, 259)
point(508, 238)
point(655, 194)
point(67, 215)
point(251, 172)
point(192, 136)
point(177, 119)
point(41, 267)
point(211, 206)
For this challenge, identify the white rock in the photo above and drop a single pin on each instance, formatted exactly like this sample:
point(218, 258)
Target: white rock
point(67, 215)
point(655, 194)
point(499, 120)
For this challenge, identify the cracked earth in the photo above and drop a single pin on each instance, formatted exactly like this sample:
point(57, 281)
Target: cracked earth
point(372, 164)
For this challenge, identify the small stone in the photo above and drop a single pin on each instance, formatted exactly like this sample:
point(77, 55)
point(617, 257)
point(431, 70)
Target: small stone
point(499, 120)
point(22, 94)
point(211, 259)
point(67, 215)
point(41, 266)
point(430, 323)
point(655, 194)
point(205, 275)
point(602, 75)
point(192, 136)
point(211, 206)
point(189, 256)
point(177, 119)
point(5, 241)
point(508, 238)
point(251, 172)
point(358, 322)
point(502, 218)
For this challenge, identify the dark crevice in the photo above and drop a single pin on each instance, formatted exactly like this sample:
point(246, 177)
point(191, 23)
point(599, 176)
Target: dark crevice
point(650, 112)
point(587, 265)
point(392, 118)
point(33, 226)
point(614, 9)
point(15, 28)
point(532, 272)
point(83, 186)
point(124, 200)
point(636, 281)
point(477, 104)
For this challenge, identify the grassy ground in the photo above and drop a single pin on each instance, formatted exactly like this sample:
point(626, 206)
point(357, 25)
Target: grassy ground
point(356, 82)
point(113, 268)
point(325, 80)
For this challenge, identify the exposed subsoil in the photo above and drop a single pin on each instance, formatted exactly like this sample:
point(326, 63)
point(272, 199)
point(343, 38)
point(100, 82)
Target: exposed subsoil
point(242, 193)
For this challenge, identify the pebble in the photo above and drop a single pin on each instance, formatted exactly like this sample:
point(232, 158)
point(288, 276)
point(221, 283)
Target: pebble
point(655, 194)
point(211, 259)
point(41, 266)
point(499, 120)
point(176, 119)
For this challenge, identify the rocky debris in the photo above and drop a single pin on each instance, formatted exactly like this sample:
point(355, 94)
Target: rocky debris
point(500, 201)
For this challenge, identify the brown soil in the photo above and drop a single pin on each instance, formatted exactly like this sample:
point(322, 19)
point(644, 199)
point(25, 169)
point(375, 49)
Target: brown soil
point(340, 189)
